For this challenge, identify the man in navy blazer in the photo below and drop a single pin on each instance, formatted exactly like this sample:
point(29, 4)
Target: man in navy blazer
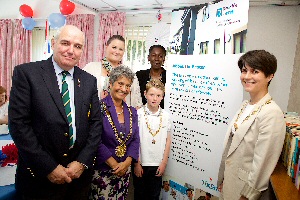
point(48, 168)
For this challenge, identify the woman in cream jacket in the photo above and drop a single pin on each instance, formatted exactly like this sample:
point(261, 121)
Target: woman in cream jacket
point(254, 138)
point(114, 51)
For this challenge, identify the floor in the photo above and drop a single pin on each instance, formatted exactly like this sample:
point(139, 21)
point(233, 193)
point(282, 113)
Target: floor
point(130, 191)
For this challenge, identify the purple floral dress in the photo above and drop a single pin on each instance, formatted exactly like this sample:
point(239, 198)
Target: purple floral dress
point(108, 186)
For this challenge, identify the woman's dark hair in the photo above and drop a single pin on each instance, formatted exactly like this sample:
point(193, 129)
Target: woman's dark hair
point(157, 46)
point(259, 59)
point(115, 37)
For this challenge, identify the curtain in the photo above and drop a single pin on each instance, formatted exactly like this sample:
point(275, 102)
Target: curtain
point(21, 44)
point(85, 22)
point(6, 28)
point(109, 24)
point(15, 49)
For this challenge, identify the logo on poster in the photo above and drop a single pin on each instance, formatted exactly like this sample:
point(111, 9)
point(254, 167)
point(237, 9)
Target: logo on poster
point(210, 185)
point(227, 10)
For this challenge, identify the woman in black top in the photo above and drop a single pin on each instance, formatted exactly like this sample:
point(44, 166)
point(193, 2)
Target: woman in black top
point(156, 57)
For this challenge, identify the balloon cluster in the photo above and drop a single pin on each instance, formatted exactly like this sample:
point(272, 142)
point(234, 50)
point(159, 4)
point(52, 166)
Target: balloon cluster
point(26, 11)
point(56, 20)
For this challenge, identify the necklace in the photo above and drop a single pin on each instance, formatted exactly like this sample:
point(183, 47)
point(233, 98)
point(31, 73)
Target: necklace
point(148, 125)
point(159, 78)
point(119, 113)
point(121, 149)
point(252, 113)
point(106, 65)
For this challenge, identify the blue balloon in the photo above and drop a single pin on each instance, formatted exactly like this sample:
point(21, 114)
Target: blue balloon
point(28, 23)
point(56, 20)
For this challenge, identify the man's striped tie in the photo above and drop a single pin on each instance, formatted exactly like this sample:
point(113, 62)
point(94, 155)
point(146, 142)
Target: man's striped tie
point(66, 101)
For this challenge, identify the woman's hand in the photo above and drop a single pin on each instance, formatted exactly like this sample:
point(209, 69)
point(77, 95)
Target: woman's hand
point(161, 169)
point(220, 188)
point(111, 162)
point(138, 170)
point(122, 167)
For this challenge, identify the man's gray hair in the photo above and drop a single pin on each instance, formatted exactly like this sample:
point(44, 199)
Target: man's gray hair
point(120, 71)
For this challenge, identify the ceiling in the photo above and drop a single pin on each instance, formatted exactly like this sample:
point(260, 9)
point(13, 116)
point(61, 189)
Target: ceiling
point(137, 11)
point(136, 6)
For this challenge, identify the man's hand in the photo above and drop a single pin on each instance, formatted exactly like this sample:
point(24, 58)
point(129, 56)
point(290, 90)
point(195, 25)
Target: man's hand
point(59, 176)
point(74, 169)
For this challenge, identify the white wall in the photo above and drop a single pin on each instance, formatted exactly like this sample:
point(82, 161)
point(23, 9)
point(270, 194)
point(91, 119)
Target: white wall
point(147, 19)
point(9, 9)
point(275, 29)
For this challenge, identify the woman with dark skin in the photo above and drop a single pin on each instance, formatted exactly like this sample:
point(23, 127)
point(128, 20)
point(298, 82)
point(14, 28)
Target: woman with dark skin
point(156, 57)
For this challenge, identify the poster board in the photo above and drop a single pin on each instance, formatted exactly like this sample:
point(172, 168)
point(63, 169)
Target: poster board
point(202, 95)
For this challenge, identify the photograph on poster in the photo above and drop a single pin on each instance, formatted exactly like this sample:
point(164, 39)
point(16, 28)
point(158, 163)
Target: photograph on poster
point(202, 195)
point(181, 192)
point(165, 190)
point(219, 28)
point(173, 189)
